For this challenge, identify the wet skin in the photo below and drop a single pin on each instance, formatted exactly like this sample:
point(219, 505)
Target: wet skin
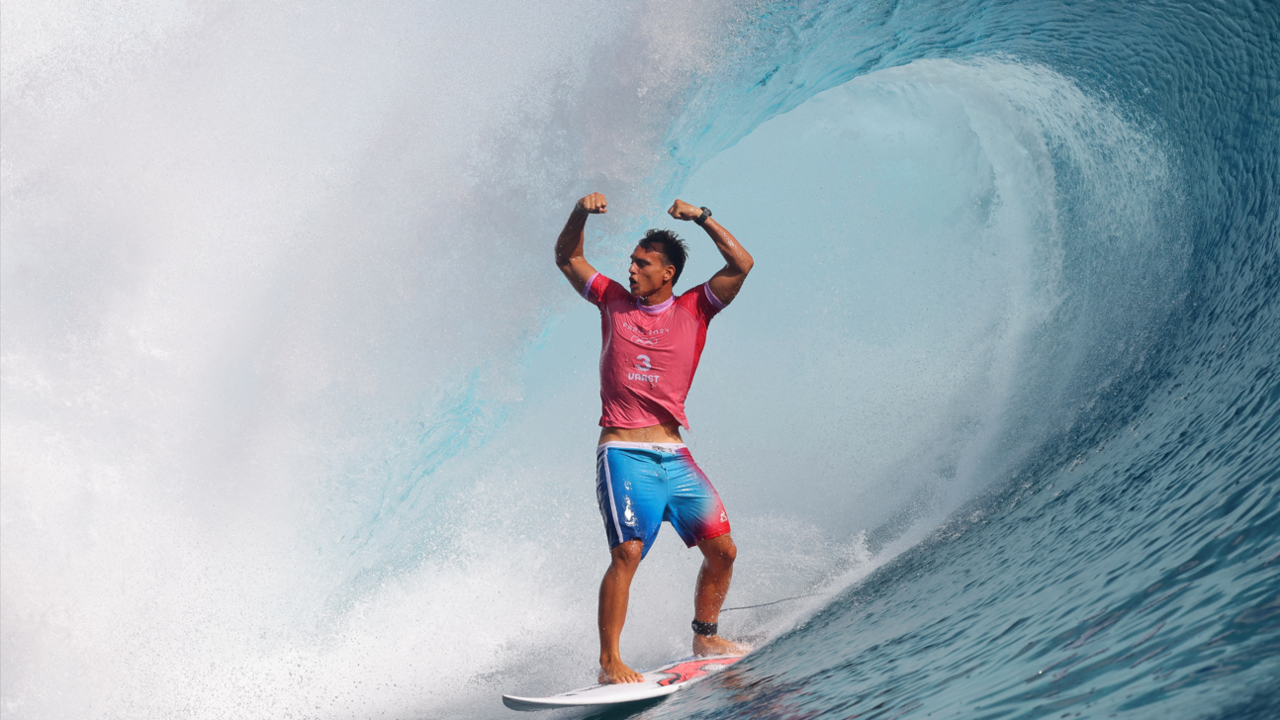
point(714, 577)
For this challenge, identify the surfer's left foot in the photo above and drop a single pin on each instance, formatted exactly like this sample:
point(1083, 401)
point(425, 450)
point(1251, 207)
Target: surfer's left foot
point(715, 645)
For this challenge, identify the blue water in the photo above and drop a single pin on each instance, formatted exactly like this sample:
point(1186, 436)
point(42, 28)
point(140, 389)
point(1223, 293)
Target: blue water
point(298, 416)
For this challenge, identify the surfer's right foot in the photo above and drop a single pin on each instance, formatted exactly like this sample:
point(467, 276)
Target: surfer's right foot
point(616, 671)
point(704, 645)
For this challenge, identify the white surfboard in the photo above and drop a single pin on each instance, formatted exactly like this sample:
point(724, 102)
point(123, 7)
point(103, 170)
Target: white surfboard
point(657, 683)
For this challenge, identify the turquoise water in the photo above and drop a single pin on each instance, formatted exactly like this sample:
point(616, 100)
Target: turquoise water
point(298, 416)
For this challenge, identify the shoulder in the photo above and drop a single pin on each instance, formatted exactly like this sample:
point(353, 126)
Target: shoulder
point(602, 290)
point(700, 302)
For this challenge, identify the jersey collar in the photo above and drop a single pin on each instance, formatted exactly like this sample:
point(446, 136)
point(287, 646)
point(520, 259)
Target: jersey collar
point(655, 309)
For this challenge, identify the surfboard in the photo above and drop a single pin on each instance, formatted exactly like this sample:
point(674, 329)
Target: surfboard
point(657, 683)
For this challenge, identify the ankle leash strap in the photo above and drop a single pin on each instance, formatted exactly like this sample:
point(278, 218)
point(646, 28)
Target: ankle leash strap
point(701, 628)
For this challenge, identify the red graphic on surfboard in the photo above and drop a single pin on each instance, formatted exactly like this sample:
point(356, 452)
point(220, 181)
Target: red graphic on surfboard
point(694, 668)
point(658, 683)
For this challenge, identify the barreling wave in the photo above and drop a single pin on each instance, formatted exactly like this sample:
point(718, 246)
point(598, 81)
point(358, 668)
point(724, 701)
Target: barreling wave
point(297, 413)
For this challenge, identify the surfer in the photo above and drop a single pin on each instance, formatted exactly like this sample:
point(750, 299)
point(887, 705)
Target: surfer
point(644, 473)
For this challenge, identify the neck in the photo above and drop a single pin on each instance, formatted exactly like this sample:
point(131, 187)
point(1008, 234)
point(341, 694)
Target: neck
point(658, 297)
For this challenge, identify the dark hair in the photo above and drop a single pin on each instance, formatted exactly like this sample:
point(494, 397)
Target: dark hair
point(673, 248)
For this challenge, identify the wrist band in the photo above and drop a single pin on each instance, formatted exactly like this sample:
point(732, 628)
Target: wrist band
point(701, 628)
point(701, 219)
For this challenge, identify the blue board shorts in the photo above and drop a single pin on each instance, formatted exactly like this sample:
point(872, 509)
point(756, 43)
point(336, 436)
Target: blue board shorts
point(638, 485)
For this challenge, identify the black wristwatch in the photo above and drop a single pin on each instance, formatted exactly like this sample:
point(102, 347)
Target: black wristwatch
point(701, 219)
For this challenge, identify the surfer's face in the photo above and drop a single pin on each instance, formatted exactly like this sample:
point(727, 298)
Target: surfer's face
point(649, 271)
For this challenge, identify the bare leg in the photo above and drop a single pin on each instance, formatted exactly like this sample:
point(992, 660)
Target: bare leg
point(615, 590)
point(718, 555)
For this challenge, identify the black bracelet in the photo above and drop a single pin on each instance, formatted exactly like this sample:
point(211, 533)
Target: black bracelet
point(702, 219)
point(701, 628)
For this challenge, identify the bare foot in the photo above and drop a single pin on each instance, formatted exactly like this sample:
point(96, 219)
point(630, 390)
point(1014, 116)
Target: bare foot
point(715, 645)
point(616, 671)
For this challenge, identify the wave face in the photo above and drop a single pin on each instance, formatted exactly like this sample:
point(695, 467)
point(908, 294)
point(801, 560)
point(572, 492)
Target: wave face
point(298, 416)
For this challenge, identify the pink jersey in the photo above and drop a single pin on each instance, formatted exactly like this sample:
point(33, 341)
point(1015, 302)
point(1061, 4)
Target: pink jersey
point(649, 354)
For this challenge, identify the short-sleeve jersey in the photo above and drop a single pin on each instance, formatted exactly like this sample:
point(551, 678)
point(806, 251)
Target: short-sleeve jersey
point(649, 353)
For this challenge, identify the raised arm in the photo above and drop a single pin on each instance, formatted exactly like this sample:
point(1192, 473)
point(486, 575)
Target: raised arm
point(569, 257)
point(726, 283)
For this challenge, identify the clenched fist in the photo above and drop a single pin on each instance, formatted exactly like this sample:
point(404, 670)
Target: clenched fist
point(594, 203)
point(682, 210)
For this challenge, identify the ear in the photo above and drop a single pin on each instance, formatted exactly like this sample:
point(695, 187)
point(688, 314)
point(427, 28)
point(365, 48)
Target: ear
point(668, 274)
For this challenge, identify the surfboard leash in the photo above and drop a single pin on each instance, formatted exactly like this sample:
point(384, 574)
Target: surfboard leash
point(775, 602)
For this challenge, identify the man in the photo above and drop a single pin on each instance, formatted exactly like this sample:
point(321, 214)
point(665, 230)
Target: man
point(644, 473)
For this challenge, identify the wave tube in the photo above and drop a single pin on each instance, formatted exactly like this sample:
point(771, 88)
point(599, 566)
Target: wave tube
point(924, 295)
point(297, 414)
point(1122, 561)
